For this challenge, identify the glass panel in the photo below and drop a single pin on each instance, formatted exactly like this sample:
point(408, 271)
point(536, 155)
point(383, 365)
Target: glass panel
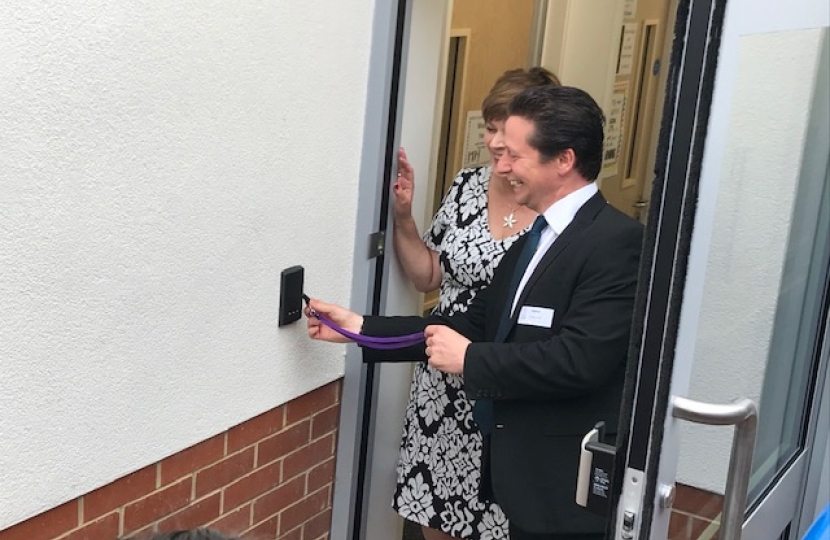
point(766, 272)
point(792, 350)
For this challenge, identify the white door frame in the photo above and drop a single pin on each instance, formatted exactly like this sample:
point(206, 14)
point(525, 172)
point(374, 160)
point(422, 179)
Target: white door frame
point(359, 382)
point(404, 77)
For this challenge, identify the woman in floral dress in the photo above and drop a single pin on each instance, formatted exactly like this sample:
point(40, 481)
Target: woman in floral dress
point(439, 466)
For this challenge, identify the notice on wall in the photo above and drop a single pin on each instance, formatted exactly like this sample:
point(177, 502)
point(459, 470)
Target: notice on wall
point(475, 151)
point(614, 129)
point(628, 43)
point(629, 9)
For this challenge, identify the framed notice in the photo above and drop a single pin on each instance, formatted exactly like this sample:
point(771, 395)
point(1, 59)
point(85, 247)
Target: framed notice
point(614, 129)
point(629, 9)
point(475, 151)
point(628, 43)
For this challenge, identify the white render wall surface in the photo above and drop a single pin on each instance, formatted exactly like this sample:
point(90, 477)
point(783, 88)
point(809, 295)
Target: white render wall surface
point(160, 164)
point(766, 76)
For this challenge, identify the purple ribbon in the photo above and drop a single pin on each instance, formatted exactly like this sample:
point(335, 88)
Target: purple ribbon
point(388, 342)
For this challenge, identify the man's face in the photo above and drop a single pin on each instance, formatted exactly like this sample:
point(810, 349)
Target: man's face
point(533, 181)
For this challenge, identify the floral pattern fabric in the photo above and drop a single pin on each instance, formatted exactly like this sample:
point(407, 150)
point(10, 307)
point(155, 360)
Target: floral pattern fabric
point(439, 465)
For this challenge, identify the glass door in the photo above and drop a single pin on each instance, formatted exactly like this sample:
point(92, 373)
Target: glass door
point(732, 343)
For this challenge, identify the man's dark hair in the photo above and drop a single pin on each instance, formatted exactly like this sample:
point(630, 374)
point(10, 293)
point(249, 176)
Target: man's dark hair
point(190, 534)
point(563, 117)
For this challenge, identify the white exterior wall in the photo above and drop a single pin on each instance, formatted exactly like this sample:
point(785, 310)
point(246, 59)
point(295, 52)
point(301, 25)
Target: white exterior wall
point(160, 164)
point(766, 75)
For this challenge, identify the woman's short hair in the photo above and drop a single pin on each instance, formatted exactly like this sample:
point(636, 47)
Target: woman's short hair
point(511, 82)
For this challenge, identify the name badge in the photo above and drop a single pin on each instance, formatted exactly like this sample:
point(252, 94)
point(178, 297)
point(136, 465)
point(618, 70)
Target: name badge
point(536, 316)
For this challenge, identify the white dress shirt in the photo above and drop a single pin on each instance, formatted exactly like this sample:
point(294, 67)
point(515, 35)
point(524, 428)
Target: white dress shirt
point(559, 215)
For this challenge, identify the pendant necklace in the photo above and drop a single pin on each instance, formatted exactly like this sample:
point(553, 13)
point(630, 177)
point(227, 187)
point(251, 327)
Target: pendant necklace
point(509, 219)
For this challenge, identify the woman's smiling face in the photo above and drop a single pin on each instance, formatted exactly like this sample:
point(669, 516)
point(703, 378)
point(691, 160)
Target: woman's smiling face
point(494, 140)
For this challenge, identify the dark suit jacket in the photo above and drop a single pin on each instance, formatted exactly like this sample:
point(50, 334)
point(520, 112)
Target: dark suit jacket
point(549, 386)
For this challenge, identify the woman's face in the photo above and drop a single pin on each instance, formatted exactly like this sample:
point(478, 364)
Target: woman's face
point(494, 140)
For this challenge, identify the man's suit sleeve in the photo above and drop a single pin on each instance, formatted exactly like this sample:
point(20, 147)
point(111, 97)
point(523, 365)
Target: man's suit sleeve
point(589, 346)
point(470, 324)
point(394, 326)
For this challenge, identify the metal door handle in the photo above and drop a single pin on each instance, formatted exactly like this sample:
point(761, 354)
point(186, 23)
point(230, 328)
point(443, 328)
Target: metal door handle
point(744, 416)
point(640, 204)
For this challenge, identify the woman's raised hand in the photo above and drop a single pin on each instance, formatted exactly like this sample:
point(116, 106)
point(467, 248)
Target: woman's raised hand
point(404, 187)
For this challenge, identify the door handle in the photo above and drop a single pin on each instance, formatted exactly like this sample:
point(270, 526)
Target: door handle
point(640, 204)
point(744, 416)
point(596, 467)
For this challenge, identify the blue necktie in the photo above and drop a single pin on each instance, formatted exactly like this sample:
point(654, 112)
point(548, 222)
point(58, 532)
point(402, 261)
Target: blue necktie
point(483, 408)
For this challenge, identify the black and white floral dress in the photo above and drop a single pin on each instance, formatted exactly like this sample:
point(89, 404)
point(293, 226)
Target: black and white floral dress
point(438, 469)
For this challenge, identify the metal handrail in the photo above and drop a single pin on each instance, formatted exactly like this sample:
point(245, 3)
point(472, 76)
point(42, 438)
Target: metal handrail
point(744, 416)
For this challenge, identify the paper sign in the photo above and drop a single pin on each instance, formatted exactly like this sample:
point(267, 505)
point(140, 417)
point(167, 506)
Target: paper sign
point(628, 43)
point(475, 151)
point(614, 125)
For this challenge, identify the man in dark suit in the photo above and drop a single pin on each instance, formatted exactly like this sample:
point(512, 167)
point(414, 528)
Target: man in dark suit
point(543, 348)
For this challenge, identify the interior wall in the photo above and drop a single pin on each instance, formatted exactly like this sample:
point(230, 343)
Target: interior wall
point(499, 40)
point(161, 164)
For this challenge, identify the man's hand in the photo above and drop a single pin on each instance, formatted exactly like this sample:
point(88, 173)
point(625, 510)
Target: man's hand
point(341, 316)
point(445, 348)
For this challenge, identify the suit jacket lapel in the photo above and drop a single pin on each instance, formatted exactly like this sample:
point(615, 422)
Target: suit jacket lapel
point(582, 219)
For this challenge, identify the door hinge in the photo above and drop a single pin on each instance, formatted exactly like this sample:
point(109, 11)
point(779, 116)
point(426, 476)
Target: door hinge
point(377, 241)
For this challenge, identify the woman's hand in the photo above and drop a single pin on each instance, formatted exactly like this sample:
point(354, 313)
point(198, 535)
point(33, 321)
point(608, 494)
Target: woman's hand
point(341, 316)
point(404, 187)
point(419, 262)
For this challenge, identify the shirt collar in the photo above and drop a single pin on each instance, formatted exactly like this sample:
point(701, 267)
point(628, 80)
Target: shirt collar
point(560, 214)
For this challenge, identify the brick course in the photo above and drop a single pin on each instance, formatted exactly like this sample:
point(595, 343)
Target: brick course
point(694, 512)
point(269, 478)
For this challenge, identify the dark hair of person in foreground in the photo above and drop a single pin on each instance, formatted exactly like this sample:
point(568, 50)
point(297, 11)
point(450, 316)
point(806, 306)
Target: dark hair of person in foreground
point(190, 534)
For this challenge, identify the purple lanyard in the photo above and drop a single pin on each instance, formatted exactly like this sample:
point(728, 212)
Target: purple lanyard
point(388, 342)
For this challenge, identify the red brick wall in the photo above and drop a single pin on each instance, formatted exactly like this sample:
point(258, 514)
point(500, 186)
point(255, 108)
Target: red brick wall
point(695, 514)
point(267, 478)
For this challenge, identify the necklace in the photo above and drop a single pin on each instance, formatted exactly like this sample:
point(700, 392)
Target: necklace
point(510, 219)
